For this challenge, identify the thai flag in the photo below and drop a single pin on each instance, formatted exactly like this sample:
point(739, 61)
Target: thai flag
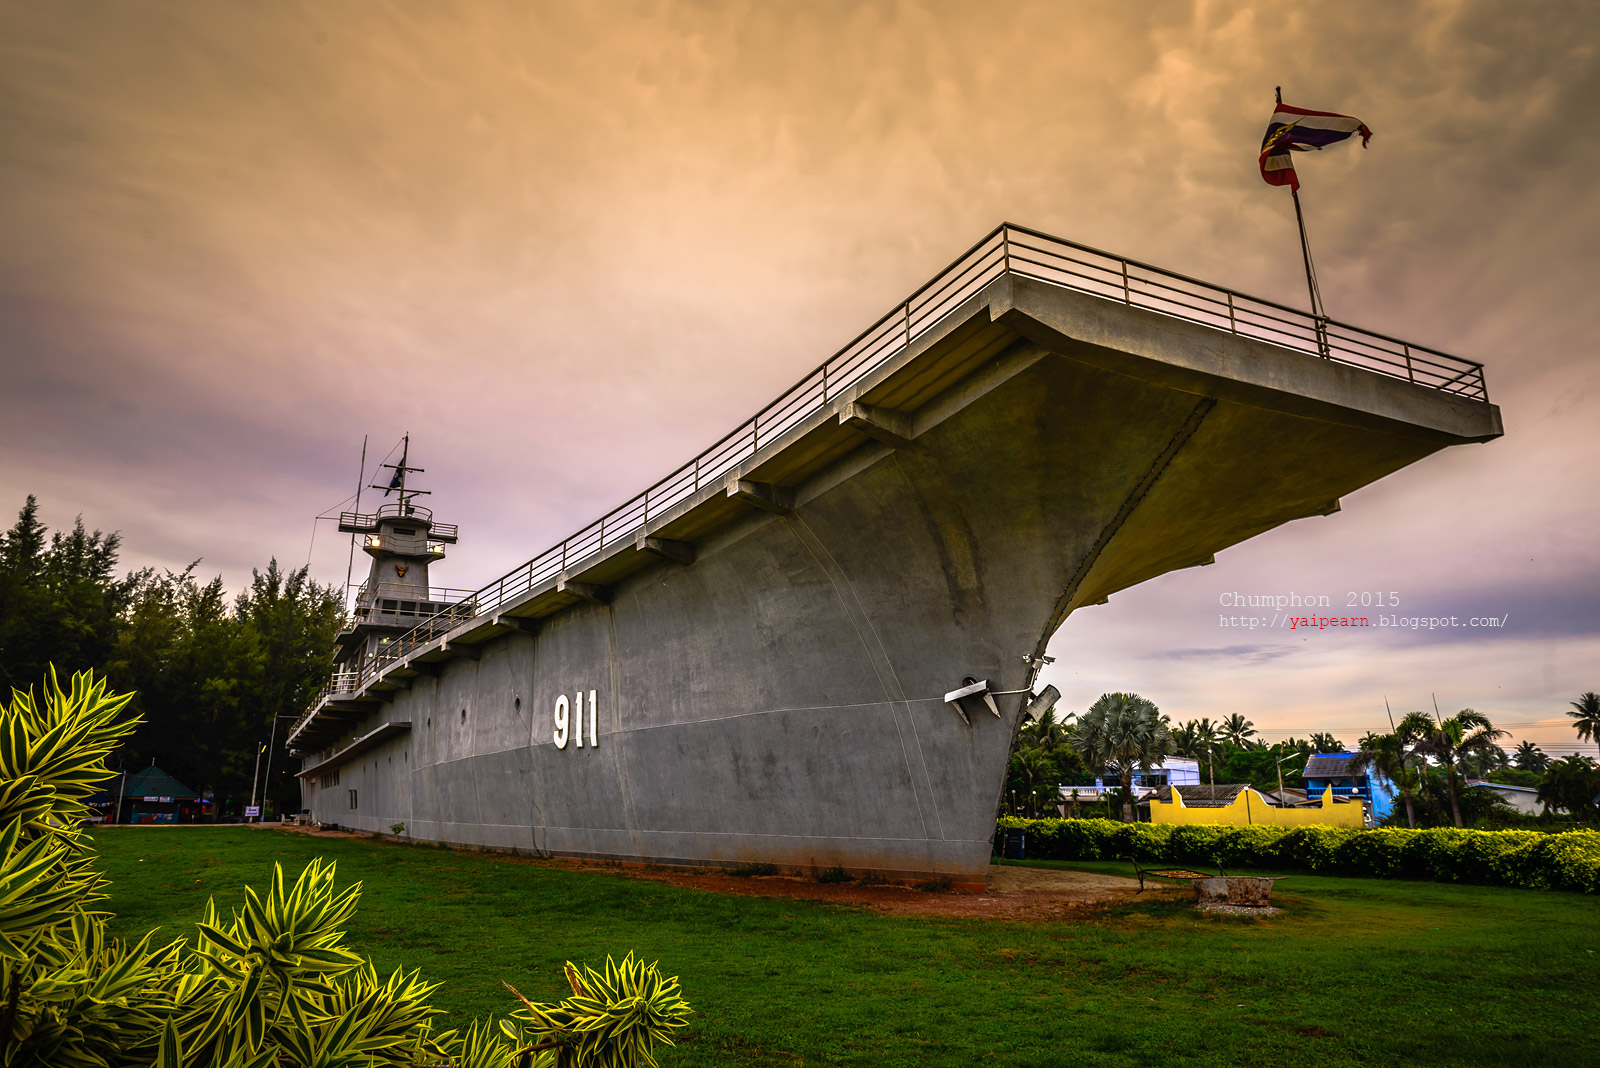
point(1298, 129)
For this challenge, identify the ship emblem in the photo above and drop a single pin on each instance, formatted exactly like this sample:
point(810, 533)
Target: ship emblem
point(401, 569)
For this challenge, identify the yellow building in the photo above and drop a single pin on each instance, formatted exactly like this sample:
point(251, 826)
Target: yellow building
point(1246, 807)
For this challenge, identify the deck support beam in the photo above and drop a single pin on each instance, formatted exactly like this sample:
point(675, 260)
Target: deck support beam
point(890, 427)
point(592, 592)
point(779, 500)
point(679, 552)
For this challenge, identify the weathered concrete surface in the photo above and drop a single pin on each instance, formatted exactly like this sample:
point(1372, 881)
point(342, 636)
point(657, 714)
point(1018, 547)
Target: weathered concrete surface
point(778, 697)
point(1245, 890)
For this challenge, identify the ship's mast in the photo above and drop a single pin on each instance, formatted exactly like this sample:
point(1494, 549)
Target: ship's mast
point(398, 481)
point(350, 565)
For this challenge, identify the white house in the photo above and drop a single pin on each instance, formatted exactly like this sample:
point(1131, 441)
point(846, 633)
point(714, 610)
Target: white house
point(1172, 771)
point(1521, 798)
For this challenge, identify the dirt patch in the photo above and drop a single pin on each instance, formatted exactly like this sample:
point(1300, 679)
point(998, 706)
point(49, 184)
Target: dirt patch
point(307, 828)
point(1024, 894)
point(1031, 895)
point(1014, 880)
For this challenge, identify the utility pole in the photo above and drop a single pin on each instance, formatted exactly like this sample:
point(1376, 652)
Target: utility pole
point(122, 788)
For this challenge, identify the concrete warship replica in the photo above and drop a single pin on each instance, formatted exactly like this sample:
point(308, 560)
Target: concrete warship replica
point(811, 645)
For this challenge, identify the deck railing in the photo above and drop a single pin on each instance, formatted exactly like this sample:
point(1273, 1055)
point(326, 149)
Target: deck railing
point(1008, 249)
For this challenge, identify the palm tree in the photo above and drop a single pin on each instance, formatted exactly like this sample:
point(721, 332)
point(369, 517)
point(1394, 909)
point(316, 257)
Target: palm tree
point(1486, 761)
point(1322, 742)
point(1045, 733)
point(1036, 753)
point(1393, 757)
point(1185, 739)
point(1450, 740)
point(1122, 732)
point(1586, 716)
point(1206, 738)
point(1571, 783)
point(1036, 771)
point(1530, 757)
point(1236, 730)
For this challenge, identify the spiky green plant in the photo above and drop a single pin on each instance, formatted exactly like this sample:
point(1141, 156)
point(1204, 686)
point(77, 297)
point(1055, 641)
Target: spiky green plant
point(613, 1019)
point(268, 985)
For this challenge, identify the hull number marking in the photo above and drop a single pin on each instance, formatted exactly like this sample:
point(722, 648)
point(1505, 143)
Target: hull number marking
point(569, 721)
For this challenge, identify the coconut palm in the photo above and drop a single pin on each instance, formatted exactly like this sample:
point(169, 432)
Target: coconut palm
point(1393, 757)
point(1486, 761)
point(1464, 734)
point(1122, 732)
point(1207, 737)
point(1530, 757)
point(1236, 730)
point(1037, 771)
point(1046, 733)
point(1571, 783)
point(1322, 742)
point(1186, 740)
point(1586, 716)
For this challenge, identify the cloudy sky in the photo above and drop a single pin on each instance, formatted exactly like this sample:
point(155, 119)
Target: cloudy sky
point(566, 246)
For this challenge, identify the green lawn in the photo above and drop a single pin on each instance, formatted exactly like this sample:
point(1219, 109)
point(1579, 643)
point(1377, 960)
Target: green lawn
point(1357, 972)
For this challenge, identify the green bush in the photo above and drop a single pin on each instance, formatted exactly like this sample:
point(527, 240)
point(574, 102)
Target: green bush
point(1312, 849)
point(1569, 860)
point(267, 985)
point(1240, 846)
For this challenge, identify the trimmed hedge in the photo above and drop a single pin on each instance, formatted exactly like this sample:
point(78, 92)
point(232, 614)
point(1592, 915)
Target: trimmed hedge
point(1569, 860)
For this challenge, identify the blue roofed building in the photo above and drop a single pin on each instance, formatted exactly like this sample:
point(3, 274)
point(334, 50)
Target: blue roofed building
point(1333, 771)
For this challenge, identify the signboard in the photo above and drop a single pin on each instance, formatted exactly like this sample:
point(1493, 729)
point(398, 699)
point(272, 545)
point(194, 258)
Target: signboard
point(252, 810)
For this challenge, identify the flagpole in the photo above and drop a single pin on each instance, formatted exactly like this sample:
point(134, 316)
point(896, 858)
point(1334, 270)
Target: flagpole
point(1317, 310)
point(1305, 249)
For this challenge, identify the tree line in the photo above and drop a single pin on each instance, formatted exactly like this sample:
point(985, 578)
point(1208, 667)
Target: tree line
point(211, 674)
point(1427, 759)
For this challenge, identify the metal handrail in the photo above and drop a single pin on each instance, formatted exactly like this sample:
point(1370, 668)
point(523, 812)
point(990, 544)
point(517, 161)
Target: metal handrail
point(392, 510)
point(400, 591)
point(1008, 249)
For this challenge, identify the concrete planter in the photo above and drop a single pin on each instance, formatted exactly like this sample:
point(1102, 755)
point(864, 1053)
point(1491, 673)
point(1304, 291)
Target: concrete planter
point(1244, 890)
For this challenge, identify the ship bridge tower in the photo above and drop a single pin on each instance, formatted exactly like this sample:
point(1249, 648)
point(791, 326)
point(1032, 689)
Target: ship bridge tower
point(403, 539)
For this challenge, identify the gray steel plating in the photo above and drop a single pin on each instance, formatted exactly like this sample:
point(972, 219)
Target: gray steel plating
point(758, 672)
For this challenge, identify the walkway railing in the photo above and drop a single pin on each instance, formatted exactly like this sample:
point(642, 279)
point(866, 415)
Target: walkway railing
point(1008, 249)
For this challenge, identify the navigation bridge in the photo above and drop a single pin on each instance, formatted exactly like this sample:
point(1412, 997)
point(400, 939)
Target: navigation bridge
point(750, 660)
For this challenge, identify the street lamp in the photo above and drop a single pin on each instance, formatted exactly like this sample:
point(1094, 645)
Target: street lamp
point(1286, 756)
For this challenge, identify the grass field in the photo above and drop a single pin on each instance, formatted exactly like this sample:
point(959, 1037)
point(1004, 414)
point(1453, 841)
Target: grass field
point(1356, 972)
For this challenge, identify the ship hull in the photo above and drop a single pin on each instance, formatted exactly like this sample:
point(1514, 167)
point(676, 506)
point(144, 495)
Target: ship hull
point(777, 696)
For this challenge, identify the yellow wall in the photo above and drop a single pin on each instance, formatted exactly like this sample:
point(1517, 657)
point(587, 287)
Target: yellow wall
point(1251, 808)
